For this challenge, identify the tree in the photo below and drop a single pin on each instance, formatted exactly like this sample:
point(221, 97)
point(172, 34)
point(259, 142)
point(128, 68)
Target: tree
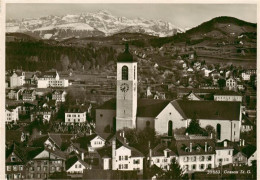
point(64, 62)
point(174, 172)
point(221, 83)
point(194, 127)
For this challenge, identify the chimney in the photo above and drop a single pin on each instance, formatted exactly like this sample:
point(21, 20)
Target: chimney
point(191, 147)
point(243, 142)
point(225, 143)
point(150, 154)
point(240, 144)
point(82, 156)
point(114, 154)
point(206, 146)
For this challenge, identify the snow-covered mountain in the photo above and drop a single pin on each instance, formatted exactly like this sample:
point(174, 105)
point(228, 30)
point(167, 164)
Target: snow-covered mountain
point(101, 23)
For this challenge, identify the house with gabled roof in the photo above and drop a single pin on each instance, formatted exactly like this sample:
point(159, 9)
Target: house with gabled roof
point(45, 163)
point(17, 79)
point(29, 95)
point(11, 114)
point(195, 153)
point(14, 94)
point(16, 161)
point(120, 156)
point(59, 95)
point(76, 165)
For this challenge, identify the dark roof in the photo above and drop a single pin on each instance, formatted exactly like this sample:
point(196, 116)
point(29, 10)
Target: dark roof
point(19, 73)
point(13, 136)
point(159, 150)
point(126, 56)
point(249, 150)
point(28, 91)
point(220, 145)
point(110, 104)
point(219, 110)
point(48, 74)
point(246, 120)
point(182, 144)
point(150, 107)
point(105, 152)
point(145, 107)
point(230, 93)
point(70, 162)
point(84, 141)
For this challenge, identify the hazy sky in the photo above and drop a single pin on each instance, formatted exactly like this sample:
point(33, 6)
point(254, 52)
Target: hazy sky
point(181, 15)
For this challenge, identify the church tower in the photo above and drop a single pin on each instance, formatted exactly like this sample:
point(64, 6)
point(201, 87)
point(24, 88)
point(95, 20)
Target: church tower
point(126, 93)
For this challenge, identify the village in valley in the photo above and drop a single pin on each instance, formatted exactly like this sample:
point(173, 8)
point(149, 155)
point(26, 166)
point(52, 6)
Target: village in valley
point(170, 110)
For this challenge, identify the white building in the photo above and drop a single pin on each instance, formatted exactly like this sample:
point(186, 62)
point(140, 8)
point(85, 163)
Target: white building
point(51, 79)
point(126, 158)
point(11, 114)
point(224, 153)
point(121, 156)
point(75, 115)
point(76, 165)
point(17, 79)
point(59, 95)
point(162, 156)
point(195, 154)
point(228, 96)
point(245, 76)
point(231, 84)
point(178, 114)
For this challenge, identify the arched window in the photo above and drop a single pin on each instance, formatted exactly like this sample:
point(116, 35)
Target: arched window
point(124, 73)
point(218, 131)
point(170, 128)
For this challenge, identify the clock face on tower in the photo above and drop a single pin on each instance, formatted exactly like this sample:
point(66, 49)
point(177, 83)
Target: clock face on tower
point(124, 87)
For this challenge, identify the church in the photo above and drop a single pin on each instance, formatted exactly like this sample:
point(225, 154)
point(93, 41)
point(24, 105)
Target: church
point(165, 116)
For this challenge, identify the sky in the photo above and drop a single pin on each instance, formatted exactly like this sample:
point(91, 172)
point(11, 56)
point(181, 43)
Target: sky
point(181, 15)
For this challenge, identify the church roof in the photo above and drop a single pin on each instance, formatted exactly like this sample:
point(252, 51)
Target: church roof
point(126, 56)
point(145, 107)
point(220, 110)
point(150, 107)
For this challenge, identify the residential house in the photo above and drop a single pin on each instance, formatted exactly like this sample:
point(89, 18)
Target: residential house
point(231, 84)
point(224, 153)
point(195, 154)
point(29, 95)
point(245, 76)
point(14, 94)
point(51, 79)
point(228, 96)
point(45, 163)
point(244, 153)
point(247, 125)
point(122, 157)
point(162, 155)
point(17, 79)
point(17, 159)
point(15, 163)
point(11, 114)
point(75, 115)
point(59, 95)
point(76, 165)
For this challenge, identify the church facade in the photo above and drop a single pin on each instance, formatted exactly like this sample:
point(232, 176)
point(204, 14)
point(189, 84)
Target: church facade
point(165, 116)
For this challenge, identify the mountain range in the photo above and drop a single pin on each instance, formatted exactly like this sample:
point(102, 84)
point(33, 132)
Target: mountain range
point(100, 23)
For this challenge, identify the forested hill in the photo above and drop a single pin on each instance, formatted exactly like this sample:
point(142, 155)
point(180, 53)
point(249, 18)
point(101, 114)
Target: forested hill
point(38, 55)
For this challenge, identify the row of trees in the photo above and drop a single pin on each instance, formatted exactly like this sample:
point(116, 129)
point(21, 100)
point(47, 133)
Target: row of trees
point(33, 56)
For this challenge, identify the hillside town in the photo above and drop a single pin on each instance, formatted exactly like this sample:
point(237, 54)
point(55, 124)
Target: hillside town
point(138, 119)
